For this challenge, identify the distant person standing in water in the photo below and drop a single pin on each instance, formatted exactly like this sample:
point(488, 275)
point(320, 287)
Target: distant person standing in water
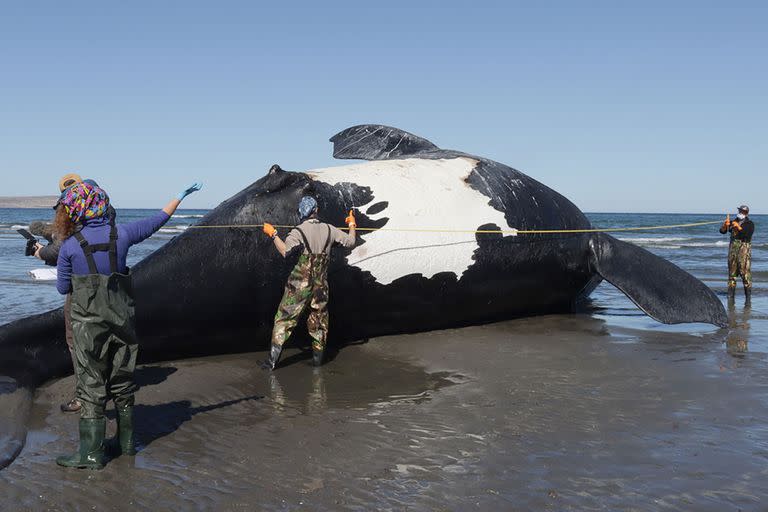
point(92, 267)
point(739, 251)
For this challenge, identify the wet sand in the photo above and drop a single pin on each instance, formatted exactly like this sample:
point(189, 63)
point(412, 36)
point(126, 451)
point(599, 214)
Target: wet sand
point(551, 413)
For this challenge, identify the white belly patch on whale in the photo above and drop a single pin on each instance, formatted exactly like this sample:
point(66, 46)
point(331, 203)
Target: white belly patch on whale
point(422, 194)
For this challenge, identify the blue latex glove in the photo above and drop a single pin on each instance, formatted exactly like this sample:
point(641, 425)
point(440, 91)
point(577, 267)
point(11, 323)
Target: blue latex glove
point(193, 188)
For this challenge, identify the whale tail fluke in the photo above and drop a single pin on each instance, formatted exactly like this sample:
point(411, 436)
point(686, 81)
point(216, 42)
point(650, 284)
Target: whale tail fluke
point(378, 142)
point(661, 289)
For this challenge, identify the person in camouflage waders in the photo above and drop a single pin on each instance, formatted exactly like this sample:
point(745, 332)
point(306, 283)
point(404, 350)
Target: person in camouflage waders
point(739, 251)
point(92, 267)
point(308, 282)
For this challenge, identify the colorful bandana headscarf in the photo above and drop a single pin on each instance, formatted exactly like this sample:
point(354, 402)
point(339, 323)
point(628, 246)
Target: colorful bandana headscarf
point(84, 201)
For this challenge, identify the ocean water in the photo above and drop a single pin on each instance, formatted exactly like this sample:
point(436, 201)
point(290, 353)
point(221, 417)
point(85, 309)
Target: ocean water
point(700, 250)
point(20, 295)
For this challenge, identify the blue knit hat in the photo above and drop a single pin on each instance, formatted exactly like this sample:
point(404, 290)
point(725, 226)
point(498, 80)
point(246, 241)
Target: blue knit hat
point(307, 205)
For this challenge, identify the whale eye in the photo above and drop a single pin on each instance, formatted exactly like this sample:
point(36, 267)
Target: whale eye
point(377, 208)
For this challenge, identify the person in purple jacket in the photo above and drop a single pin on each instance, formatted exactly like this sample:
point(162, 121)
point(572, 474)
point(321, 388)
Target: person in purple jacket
point(92, 267)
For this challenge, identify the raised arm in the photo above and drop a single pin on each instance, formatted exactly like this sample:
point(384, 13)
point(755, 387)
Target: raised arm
point(174, 203)
point(348, 239)
point(142, 229)
point(726, 225)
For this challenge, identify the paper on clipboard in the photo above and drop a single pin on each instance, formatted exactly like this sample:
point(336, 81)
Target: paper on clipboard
point(43, 274)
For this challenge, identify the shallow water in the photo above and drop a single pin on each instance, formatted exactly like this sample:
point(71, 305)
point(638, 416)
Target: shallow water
point(20, 295)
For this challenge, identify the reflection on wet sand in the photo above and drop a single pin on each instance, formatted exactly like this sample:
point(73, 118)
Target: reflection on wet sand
point(308, 390)
point(737, 339)
point(315, 401)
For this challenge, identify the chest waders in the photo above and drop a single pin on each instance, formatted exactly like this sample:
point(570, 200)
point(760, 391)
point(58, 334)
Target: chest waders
point(740, 264)
point(105, 346)
point(307, 285)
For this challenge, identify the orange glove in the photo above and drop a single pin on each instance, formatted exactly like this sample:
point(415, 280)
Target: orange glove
point(270, 230)
point(350, 220)
point(736, 227)
point(727, 222)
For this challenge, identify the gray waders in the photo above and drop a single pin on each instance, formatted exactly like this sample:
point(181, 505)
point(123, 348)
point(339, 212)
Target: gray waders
point(105, 346)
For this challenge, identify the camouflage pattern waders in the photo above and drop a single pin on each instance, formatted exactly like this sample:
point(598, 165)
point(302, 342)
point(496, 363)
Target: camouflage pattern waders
point(740, 264)
point(307, 285)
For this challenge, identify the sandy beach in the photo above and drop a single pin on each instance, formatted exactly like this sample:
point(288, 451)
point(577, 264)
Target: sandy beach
point(549, 413)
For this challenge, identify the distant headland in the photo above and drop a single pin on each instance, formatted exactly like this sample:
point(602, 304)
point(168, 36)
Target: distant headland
point(27, 201)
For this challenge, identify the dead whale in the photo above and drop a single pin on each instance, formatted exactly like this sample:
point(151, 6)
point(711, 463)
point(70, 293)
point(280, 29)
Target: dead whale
point(211, 291)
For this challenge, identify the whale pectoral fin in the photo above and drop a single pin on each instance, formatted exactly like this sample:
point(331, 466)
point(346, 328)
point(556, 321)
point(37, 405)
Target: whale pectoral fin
point(377, 142)
point(661, 289)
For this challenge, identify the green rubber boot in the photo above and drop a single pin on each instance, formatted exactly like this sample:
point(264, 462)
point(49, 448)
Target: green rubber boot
point(91, 453)
point(125, 430)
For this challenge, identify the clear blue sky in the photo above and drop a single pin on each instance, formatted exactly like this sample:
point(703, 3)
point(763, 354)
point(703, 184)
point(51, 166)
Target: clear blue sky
point(658, 107)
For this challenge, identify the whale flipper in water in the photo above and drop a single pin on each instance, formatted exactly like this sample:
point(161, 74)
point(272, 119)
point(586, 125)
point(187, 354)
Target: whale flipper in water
point(378, 142)
point(661, 289)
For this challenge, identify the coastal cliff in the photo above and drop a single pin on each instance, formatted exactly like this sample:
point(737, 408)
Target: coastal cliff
point(27, 201)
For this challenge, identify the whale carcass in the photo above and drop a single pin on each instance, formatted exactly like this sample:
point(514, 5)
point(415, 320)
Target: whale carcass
point(216, 290)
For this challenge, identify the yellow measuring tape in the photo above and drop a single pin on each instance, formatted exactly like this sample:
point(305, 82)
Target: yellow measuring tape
point(482, 231)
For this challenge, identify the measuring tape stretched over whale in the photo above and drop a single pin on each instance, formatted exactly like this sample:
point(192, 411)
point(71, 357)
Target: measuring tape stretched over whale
point(512, 232)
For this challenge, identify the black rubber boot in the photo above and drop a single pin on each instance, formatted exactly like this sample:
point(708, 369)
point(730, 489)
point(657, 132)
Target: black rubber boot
point(731, 292)
point(748, 297)
point(125, 430)
point(91, 453)
point(317, 357)
point(274, 356)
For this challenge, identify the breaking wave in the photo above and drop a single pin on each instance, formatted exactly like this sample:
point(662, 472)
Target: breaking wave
point(173, 229)
point(675, 242)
